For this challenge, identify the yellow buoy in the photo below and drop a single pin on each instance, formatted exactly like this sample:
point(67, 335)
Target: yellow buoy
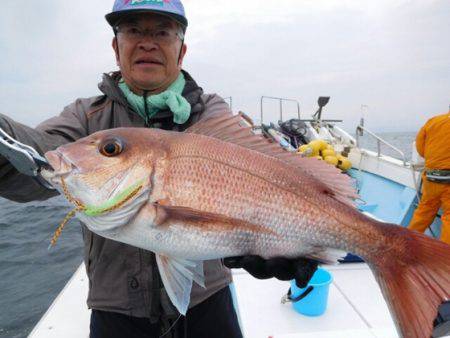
point(344, 163)
point(305, 149)
point(318, 144)
point(302, 148)
point(331, 160)
point(328, 152)
point(314, 149)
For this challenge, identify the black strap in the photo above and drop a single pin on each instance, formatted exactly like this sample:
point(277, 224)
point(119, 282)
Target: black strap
point(442, 321)
point(308, 290)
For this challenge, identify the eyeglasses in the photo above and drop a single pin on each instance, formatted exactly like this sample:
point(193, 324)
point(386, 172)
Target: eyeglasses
point(163, 36)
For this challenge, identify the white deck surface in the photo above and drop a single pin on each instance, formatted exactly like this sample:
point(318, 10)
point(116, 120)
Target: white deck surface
point(68, 316)
point(355, 309)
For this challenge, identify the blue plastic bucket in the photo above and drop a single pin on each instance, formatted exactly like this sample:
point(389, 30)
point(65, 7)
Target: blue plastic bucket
point(312, 300)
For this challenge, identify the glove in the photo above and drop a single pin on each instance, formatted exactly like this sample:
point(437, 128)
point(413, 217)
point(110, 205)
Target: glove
point(300, 269)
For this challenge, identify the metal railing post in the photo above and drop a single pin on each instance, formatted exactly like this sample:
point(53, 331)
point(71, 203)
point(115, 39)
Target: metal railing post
point(379, 141)
point(281, 109)
point(281, 100)
point(231, 101)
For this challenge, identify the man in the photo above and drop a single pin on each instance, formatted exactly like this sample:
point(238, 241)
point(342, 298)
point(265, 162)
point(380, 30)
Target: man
point(433, 144)
point(150, 90)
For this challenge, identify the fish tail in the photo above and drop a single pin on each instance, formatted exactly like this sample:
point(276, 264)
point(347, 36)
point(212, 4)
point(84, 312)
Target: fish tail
point(415, 282)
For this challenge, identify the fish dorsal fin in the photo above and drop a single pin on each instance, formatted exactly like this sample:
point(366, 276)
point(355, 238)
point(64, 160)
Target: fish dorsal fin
point(234, 129)
point(177, 275)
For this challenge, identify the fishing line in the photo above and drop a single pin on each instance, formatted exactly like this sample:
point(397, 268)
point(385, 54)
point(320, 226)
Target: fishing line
point(78, 207)
point(108, 206)
point(171, 327)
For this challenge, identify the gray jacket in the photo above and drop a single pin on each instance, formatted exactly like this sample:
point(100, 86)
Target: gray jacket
point(122, 278)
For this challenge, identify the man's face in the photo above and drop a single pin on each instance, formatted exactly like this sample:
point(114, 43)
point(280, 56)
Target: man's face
point(147, 61)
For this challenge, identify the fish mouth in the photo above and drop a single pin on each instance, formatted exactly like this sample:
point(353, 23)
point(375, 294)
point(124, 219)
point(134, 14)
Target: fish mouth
point(44, 165)
point(58, 166)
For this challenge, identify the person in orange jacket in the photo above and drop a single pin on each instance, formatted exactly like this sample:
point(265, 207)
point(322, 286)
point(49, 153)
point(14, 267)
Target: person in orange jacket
point(433, 144)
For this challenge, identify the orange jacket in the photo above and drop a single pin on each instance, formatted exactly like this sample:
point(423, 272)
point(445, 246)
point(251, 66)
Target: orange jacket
point(433, 142)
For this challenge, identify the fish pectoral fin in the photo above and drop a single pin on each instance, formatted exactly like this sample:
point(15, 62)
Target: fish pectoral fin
point(167, 215)
point(177, 275)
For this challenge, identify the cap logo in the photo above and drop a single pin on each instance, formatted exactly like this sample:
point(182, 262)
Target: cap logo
point(148, 2)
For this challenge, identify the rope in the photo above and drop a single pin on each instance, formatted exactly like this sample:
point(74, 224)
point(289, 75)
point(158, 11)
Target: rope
point(92, 211)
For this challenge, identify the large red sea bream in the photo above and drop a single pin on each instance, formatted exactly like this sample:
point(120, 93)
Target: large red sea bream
point(218, 190)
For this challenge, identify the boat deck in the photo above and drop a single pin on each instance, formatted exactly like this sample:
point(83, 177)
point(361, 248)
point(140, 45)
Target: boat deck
point(355, 308)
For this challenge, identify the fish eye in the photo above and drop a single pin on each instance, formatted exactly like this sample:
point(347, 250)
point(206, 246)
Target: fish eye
point(111, 148)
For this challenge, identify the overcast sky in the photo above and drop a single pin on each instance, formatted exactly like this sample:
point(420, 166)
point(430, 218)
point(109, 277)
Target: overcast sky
point(392, 56)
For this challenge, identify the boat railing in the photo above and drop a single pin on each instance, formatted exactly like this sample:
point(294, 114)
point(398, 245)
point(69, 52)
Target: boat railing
point(360, 129)
point(230, 100)
point(281, 100)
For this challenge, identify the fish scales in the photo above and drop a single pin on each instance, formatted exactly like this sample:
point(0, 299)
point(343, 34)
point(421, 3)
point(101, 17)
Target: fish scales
point(263, 190)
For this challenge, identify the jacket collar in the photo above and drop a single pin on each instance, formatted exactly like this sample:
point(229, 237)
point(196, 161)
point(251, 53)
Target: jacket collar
point(192, 93)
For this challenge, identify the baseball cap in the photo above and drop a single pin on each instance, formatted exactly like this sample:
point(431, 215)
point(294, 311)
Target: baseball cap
point(171, 8)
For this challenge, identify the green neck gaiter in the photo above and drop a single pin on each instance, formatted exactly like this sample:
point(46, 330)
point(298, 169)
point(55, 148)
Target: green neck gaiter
point(169, 99)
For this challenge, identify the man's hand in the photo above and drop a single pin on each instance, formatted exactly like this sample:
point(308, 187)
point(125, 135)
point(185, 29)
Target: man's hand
point(300, 269)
